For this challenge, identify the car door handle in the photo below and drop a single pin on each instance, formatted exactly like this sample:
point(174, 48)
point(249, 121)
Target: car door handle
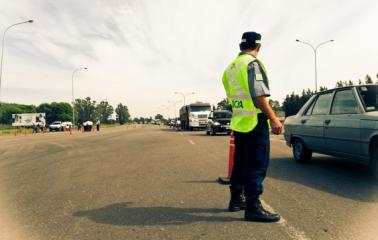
point(303, 121)
point(328, 121)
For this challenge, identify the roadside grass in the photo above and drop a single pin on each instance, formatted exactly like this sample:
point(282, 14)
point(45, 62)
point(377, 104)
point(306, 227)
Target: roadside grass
point(104, 125)
point(7, 130)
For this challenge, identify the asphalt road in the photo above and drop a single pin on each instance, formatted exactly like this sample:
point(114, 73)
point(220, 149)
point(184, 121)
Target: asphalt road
point(154, 183)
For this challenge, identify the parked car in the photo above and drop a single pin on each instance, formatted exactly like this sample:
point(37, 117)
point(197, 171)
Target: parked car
point(87, 126)
point(340, 122)
point(55, 126)
point(218, 122)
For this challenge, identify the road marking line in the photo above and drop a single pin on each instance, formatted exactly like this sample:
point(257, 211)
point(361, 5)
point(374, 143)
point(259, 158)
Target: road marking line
point(191, 142)
point(181, 133)
point(290, 230)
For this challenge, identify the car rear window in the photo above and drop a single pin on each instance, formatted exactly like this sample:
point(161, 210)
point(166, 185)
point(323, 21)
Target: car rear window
point(369, 97)
point(321, 106)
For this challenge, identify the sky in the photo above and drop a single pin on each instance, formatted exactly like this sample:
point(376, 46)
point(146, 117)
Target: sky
point(140, 52)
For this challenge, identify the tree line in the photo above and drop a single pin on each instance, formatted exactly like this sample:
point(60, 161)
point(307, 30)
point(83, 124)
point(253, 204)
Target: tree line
point(85, 109)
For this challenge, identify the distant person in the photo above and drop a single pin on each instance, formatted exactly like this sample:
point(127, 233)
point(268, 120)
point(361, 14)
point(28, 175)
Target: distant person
point(98, 125)
point(246, 83)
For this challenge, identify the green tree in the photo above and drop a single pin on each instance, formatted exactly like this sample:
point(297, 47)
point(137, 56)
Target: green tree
point(123, 115)
point(275, 105)
point(368, 79)
point(293, 102)
point(103, 111)
point(322, 88)
point(340, 84)
point(56, 111)
point(85, 109)
point(159, 116)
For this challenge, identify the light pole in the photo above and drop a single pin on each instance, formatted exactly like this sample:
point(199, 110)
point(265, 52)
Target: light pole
point(315, 48)
point(184, 95)
point(73, 100)
point(174, 106)
point(2, 49)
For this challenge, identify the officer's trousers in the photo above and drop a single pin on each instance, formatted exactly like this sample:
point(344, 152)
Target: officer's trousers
point(251, 159)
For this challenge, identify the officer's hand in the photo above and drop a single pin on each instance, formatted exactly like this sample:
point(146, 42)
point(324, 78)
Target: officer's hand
point(276, 126)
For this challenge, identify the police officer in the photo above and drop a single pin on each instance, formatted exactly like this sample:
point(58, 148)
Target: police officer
point(247, 87)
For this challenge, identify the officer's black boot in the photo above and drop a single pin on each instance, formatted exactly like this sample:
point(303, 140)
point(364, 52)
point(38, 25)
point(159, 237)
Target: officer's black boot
point(237, 201)
point(254, 211)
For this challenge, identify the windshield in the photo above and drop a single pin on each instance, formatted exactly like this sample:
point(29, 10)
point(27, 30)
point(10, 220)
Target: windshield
point(199, 108)
point(222, 115)
point(369, 96)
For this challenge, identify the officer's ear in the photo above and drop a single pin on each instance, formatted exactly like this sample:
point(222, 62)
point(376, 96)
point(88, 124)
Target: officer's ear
point(258, 46)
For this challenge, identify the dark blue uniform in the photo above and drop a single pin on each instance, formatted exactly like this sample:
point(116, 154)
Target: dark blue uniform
point(252, 149)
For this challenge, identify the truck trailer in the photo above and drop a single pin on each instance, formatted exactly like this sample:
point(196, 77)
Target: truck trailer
point(194, 116)
point(29, 120)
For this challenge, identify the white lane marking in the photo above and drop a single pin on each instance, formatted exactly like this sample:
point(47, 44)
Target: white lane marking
point(191, 142)
point(290, 230)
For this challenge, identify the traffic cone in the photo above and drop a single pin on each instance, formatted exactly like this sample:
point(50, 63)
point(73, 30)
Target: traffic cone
point(231, 153)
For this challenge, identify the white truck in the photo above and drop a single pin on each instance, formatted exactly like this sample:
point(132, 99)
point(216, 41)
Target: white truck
point(29, 120)
point(194, 116)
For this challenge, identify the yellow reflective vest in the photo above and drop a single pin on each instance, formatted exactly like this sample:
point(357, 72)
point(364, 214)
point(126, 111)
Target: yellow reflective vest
point(235, 82)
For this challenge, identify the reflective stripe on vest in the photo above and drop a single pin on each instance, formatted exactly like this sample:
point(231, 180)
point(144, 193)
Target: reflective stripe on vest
point(242, 112)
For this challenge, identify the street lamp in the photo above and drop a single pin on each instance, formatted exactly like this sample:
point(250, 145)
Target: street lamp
point(73, 100)
point(315, 49)
point(174, 105)
point(184, 95)
point(2, 49)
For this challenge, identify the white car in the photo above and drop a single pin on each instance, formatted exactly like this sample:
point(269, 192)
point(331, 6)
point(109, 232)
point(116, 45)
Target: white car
point(55, 126)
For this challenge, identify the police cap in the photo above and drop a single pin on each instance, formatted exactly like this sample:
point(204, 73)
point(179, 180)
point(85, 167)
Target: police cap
point(251, 38)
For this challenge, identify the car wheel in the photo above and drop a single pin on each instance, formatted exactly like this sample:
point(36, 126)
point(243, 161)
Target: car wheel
point(300, 152)
point(374, 163)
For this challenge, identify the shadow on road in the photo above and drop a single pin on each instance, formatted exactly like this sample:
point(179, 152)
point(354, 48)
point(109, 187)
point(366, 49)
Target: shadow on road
point(201, 181)
point(333, 175)
point(123, 214)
